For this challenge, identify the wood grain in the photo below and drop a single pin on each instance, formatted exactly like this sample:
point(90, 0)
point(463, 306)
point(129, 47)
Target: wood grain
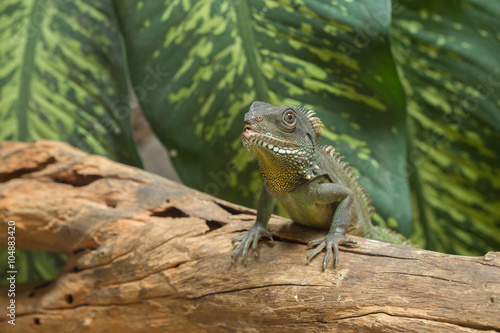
point(148, 254)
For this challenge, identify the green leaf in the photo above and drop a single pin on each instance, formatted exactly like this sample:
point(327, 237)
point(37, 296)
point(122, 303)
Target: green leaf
point(62, 76)
point(32, 266)
point(196, 66)
point(448, 59)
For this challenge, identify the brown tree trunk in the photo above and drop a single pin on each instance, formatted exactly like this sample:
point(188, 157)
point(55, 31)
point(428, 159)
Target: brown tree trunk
point(150, 255)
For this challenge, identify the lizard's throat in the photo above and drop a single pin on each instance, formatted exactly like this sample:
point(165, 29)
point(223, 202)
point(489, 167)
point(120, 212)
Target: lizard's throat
point(283, 172)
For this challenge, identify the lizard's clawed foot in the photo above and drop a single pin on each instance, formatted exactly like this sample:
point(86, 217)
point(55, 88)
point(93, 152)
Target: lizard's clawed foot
point(251, 237)
point(330, 241)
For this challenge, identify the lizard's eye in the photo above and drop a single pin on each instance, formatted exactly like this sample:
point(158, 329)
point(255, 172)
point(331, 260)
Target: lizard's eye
point(289, 119)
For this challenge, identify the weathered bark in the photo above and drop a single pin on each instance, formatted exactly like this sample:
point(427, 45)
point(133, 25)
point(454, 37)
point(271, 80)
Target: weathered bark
point(148, 254)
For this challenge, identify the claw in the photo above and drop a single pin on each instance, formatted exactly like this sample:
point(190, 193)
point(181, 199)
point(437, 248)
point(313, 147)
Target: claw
point(314, 252)
point(336, 255)
point(350, 242)
point(331, 242)
point(236, 250)
point(251, 238)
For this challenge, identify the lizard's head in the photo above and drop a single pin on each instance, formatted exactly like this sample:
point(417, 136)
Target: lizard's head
point(283, 139)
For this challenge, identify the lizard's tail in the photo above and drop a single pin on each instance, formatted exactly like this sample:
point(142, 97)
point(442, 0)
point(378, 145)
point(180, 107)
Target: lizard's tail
point(386, 235)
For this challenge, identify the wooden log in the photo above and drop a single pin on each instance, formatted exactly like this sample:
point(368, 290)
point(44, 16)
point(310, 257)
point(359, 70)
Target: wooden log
point(148, 254)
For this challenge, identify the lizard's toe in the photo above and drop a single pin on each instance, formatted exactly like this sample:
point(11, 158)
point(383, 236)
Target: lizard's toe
point(251, 238)
point(349, 242)
point(315, 242)
point(317, 250)
point(331, 242)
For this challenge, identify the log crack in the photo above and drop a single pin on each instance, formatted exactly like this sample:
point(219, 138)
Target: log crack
point(145, 253)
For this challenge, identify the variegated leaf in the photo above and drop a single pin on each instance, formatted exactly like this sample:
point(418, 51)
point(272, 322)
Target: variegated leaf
point(205, 62)
point(448, 59)
point(62, 76)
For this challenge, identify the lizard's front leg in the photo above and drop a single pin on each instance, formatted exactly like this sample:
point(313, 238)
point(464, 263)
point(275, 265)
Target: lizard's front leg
point(264, 211)
point(327, 193)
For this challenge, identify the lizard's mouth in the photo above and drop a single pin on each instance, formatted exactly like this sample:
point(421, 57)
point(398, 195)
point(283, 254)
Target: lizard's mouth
point(266, 140)
point(248, 132)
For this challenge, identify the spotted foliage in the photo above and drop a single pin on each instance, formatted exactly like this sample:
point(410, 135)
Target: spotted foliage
point(447, 54)
point(412, 80)
point(217, 57)
point(62, 76)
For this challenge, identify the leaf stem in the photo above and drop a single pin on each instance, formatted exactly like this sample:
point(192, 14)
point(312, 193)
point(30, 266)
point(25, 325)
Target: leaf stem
point(36, 17)
point(244, 23)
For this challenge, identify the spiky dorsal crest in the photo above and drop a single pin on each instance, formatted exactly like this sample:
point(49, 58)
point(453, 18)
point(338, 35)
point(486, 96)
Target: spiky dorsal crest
point(315, 122)
point(337, 158)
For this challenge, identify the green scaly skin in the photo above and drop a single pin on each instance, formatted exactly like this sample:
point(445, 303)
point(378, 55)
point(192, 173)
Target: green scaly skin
point(312, 182)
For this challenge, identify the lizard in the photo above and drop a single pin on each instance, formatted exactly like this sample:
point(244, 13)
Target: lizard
point(313, 183)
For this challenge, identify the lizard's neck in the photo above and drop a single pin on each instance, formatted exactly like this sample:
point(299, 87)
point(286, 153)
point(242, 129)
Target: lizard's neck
point(285, 172)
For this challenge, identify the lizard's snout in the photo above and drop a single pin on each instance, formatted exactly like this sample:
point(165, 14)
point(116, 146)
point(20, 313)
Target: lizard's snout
point(248, 132)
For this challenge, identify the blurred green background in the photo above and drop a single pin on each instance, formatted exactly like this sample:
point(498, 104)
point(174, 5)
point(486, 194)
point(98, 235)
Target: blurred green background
point(409, 92)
